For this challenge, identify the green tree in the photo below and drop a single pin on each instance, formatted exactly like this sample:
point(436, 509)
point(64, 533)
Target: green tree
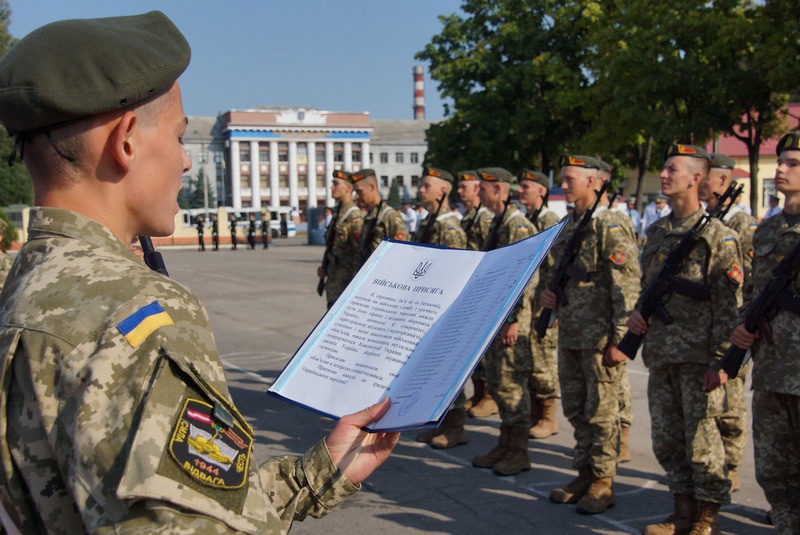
point(394, 199)
point(15, 183)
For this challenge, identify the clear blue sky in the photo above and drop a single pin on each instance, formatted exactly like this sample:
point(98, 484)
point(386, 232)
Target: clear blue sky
point(336, 55)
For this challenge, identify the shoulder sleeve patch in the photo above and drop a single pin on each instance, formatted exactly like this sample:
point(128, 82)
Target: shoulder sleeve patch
point(729, 241)
point(619, 257)
point(613, 228)
point(142, 323)
point(735, 273)
point(209, 450)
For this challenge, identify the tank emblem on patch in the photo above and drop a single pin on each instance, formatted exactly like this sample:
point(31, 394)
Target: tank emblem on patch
point(211, 452)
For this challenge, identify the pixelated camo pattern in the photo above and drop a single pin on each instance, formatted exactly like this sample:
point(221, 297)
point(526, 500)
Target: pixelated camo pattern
point(480, 228)
point(389, 224)
point(700, 330)
point(346, 250)
point(88, 416)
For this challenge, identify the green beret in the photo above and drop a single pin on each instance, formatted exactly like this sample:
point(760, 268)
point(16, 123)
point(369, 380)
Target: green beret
point(361, 175)
point(343, 175)
point(679, 149)
point(438, 173)
point(577, 160)
point(496, 174)
point(467, 176)
point(790, 141)
point(72, 69)
point(722, 161)
point(604, 166)
point(534, 176)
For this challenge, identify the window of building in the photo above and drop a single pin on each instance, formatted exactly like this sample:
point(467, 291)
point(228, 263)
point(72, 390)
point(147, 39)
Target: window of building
point(398, 157)
point(263, 152)
point(244, 152)
point(385, 181)
point(356, 152)
point(320, 183)
point(283, 151)
point(414, 181)
point(371, 159)
point(283, 181)
point(338, 152)
point(384, 157)
point(320, 152)
point(414, 157)
point(264, 182)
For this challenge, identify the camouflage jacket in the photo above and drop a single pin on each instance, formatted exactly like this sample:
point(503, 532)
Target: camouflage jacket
point(446, 231)
point(476, 223)
point(381, 222)
point(596, 312)
point(115, 412)
point(700, 327)
point(5, 267)
point(344, 244)
point(776, 367)
point(516, 227)
point(545, 219)
point(745, 225)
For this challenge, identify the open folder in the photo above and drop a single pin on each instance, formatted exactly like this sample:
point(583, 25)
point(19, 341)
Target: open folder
point(412, 325)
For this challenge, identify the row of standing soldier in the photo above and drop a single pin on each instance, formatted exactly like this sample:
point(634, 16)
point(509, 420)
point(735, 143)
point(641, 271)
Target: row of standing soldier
point(263, 223)
point(700, 446)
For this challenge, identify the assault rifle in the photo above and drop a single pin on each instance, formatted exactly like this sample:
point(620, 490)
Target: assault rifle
point(152, 258)
point(425, 235)
point(666, 281)
point(326, 260)
point(490, 244)
point(566, 269)
point(765, 306)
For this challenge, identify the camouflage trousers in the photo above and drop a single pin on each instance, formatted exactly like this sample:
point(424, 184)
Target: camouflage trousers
point(543, 382)
point(507, 371)
point(733, 421)
point(686, 439)
point(337, 281)
point(624, 399)
point(590, 403)
point(776, 440)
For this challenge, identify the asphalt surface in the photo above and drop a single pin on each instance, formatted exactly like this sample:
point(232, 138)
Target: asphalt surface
point(262, 304)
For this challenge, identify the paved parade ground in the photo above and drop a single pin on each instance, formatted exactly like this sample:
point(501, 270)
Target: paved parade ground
point(262, 304)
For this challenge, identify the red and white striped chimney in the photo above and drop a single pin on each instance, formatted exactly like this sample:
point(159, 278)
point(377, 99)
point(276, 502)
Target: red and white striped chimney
point(419, 94)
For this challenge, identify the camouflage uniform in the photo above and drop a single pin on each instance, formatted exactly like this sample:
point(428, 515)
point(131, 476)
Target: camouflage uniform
point(446, 231)
point(381, 222)
point(686, 439)
point(344, 241)
point(595, 317)
point(106, 406)
point(508, 367)
point(733, 421)
point(776, 383)
point(5, 267)
point(543, 383)
point(476, 223)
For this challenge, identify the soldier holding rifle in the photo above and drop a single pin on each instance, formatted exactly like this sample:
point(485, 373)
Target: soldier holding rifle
point(776, 363)
point(342, 240)
point(683, 346)
point(593, 293)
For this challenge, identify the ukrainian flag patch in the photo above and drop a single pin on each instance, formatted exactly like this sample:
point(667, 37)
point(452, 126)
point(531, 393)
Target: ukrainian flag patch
point(142, 323)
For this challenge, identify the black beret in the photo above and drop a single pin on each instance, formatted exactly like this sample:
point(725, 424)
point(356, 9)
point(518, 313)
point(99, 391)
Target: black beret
point(496, 174)
point(722, 161)
point(577, 160)
point(360, 175)
point(790, 141)
point(534, 176)
point(679, 149)
point(343, 175)
point(469, 175)
point(72, 69)
point(438, 173)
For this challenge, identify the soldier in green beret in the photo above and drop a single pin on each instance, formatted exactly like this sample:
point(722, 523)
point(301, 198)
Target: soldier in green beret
point(776, 366)
point(733, 422)
point(116, 413)
point(599, 296)
point(534, 188)
point(382, 221)
point(683, 356)
point(508, 361)
point(342, 239)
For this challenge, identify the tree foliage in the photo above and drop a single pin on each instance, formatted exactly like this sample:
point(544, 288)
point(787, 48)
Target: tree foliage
point(615, 78)
point(394, 199)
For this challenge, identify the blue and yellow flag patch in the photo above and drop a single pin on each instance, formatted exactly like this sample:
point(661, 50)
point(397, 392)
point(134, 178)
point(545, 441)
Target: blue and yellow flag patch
point(142, 323)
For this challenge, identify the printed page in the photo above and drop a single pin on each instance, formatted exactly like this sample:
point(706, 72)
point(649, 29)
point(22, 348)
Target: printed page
point(412, 326)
